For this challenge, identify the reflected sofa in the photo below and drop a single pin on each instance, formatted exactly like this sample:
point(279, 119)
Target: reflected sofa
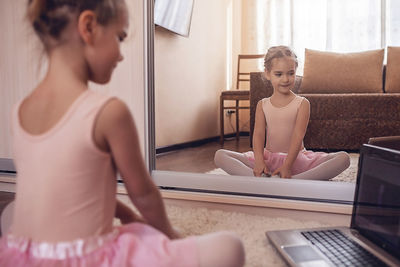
point(350, 102)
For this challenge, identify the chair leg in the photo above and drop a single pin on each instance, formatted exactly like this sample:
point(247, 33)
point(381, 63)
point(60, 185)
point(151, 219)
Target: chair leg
point(221, 116)
point(237, 120)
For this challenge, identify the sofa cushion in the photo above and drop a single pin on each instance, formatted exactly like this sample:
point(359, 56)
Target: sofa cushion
point(328, 72)
point(392, 84)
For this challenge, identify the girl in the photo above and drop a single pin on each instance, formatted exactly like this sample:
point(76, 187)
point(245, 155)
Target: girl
point(284, 117)
point(69, 143)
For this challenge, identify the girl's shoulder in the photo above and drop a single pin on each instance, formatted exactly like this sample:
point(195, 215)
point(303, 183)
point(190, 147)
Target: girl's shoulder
point(264, 100)
point(106, 99)
point(301, 99)
point(107, 107)
point(301, 102)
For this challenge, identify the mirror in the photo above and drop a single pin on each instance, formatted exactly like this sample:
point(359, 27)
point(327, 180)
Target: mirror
point(189, 75)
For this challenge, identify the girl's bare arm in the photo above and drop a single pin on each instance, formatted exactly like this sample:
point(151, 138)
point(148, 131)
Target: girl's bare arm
point(126, 214)
point(117, 125)
point(258, 141)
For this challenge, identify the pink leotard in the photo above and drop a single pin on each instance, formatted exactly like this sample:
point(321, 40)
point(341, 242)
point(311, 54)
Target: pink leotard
point(66, 186)
point(280, 124)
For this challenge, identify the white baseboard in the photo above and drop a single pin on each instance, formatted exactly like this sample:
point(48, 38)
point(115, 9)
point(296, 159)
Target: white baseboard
point(7, 184)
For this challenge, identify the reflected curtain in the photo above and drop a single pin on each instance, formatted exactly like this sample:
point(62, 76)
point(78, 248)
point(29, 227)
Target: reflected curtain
point(327, 25)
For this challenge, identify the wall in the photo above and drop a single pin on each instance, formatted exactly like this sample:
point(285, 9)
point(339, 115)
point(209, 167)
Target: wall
point(190, 73)
point(20, 71)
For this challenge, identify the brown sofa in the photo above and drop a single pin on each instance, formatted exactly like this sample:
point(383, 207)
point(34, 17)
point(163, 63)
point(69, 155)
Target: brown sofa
point(338, 121)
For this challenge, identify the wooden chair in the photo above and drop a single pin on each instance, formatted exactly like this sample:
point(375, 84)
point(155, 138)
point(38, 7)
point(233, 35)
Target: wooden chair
point(236, 95)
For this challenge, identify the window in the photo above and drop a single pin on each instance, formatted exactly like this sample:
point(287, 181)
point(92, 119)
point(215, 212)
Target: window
point(327, 25)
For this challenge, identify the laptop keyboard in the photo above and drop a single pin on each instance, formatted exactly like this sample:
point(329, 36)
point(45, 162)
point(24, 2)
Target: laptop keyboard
point(341, 250)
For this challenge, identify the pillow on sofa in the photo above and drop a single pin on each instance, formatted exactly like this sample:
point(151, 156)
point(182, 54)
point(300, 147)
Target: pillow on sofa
point(392, 84)
point(328, 72)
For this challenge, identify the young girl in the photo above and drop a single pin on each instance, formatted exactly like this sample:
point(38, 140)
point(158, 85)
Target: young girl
point(284, 117)
point(69, 143)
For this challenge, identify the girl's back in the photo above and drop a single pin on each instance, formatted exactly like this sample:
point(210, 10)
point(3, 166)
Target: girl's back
point(44, 107)
point(74, 196)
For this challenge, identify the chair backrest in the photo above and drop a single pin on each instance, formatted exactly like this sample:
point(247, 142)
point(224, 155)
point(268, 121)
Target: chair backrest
point(245, 76)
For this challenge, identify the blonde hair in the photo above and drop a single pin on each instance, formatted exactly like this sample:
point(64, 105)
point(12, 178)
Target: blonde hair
point(278, 52)
point(50, 17)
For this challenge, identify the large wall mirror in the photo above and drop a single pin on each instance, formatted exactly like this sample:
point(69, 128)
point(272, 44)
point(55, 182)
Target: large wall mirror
point(188, 74)
point(191, 70)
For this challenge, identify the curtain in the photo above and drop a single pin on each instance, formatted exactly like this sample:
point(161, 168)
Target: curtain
point(327, 25)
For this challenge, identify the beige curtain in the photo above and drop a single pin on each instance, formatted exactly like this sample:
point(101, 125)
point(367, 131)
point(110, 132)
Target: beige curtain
point(263, 25)
point(328, 25)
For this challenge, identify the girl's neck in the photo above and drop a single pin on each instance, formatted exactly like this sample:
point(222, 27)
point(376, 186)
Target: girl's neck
point(66, 69)
point(278, 99)
point(281, 96)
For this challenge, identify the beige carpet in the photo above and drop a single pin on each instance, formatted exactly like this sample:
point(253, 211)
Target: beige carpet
point(251, 229)
point(349, 175)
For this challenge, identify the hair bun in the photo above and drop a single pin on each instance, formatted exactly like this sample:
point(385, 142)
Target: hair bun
point(35, 9)
point(50, 17)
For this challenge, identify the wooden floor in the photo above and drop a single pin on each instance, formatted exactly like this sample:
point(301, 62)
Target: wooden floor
point(198, 159)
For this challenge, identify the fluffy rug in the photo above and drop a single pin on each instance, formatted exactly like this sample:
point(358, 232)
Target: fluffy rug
point(251, 229)
point(189, 220)
point(349, 175)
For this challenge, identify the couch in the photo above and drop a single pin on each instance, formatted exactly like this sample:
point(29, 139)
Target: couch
point(345, 117)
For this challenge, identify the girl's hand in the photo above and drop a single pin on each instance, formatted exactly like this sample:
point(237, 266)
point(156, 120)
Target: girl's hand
point(131, 218)
point(260, 168)
point(174, 233)
point(283, 172)
point(126, 215)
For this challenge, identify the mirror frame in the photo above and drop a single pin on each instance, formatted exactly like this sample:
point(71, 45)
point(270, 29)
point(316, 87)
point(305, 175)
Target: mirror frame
point(300, 190)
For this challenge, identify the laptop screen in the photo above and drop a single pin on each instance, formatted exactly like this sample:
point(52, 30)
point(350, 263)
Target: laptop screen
point(376, 212)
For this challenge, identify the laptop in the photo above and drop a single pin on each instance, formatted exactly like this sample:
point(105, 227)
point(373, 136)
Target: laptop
point(373, 238)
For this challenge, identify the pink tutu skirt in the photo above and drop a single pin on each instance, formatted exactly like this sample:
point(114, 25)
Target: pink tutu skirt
point(133, 244)
point(306, 160)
